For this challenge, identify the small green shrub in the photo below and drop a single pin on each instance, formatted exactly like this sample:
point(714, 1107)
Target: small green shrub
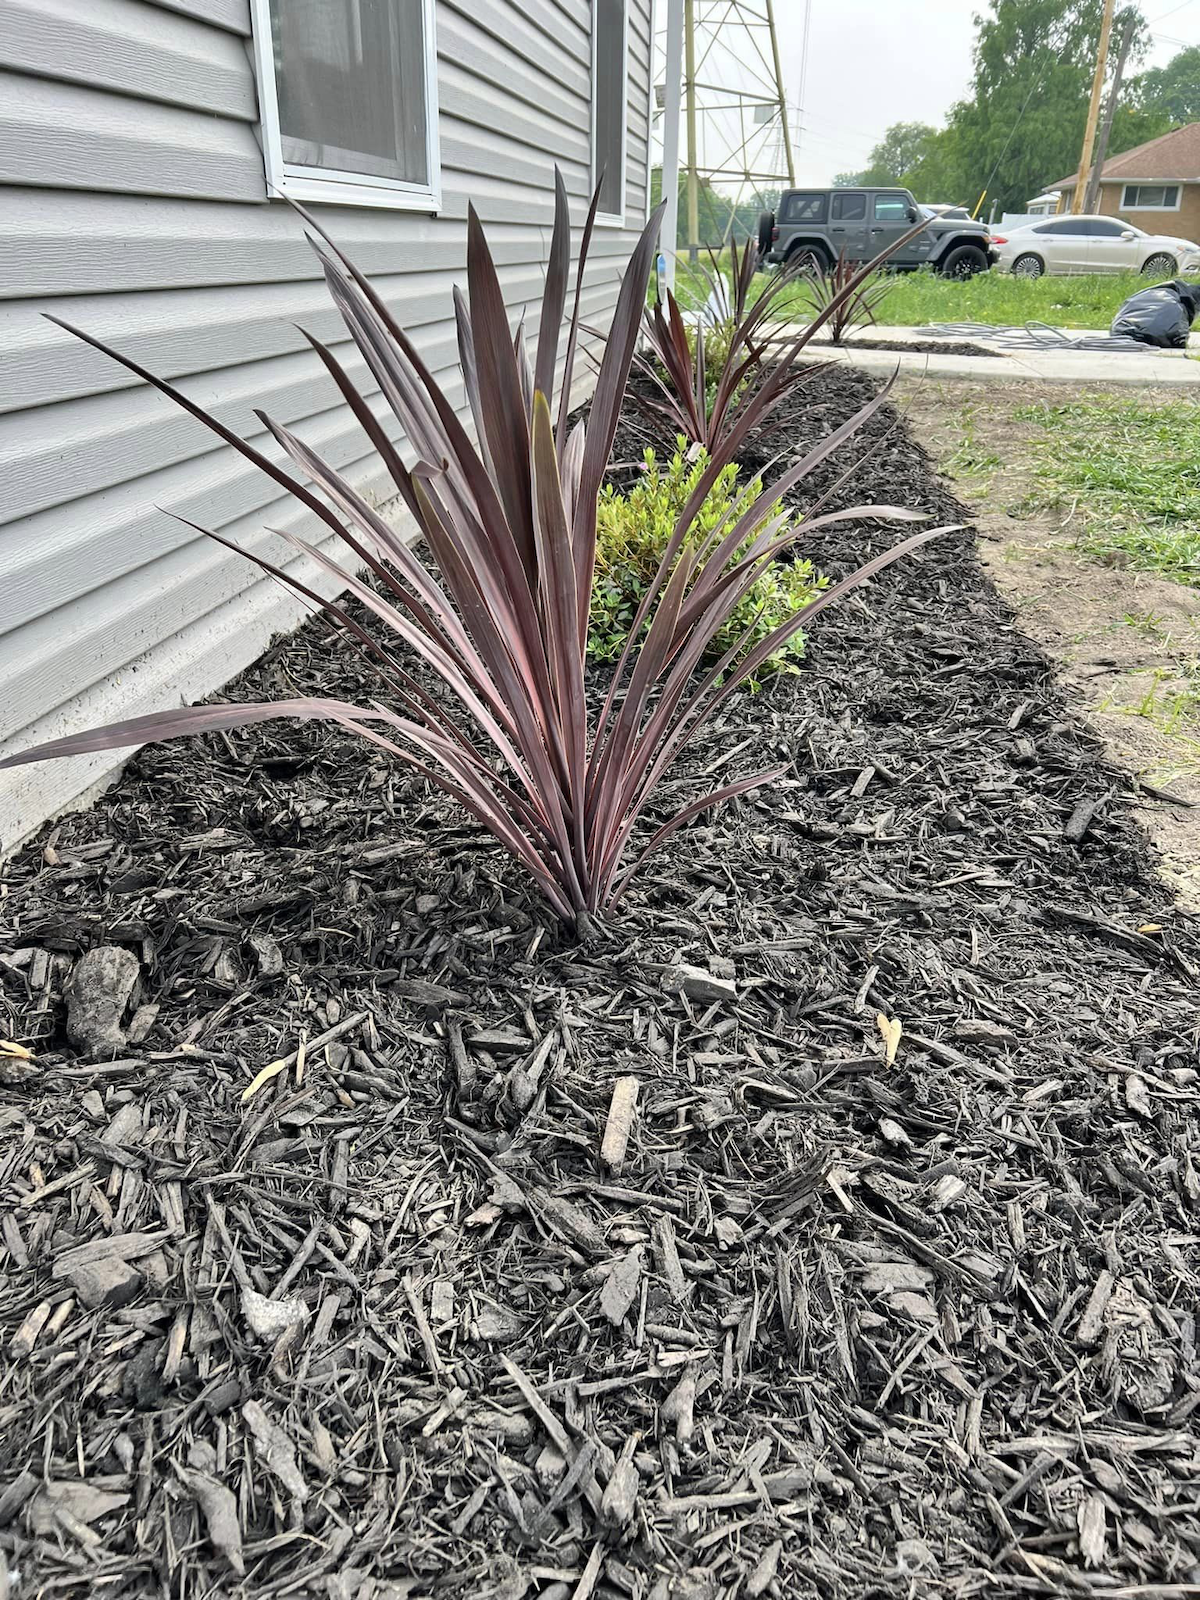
point(633, 530)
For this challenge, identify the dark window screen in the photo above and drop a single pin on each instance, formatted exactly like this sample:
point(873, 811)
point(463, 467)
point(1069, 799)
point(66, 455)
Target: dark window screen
point(350, 77)
point(849, 207)
point(891, 208)
point(805, 208)
point(608, 42)
point(1154, 196)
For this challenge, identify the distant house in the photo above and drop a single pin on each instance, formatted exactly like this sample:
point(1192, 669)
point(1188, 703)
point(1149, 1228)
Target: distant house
point(1155, 185)
point(143, 148)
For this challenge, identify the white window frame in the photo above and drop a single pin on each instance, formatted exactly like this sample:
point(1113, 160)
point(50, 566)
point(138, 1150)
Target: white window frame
point(650, 107)
point(1126, 187)
point(610, 219)
point(326, 185)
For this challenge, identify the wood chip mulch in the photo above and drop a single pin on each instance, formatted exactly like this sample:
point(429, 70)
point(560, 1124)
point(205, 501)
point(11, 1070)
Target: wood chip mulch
point(827, 1227)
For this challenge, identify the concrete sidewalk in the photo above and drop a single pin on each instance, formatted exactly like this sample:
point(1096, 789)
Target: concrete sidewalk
point(1171, 368)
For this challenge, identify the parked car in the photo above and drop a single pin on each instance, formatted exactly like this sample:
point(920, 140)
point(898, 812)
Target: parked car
point(812, 227)
point(1092, 244)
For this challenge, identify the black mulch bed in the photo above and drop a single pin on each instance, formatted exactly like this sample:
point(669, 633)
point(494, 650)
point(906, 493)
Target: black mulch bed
point(919, 347)
point(838, 1325)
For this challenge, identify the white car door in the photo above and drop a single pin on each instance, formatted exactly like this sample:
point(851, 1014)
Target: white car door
point(1113, 246)
point(1069, 243)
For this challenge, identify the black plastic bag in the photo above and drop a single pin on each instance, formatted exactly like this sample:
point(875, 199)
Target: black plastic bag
point(1161, 316)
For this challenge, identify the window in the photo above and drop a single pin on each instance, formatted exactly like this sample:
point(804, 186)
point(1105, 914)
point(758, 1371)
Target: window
point(891, 208)
point(608, 108)
point(849, 207)
point(1106, 230)
point(1072, 226)
point(348, 100)
point(1150, 197)
point(805, 208)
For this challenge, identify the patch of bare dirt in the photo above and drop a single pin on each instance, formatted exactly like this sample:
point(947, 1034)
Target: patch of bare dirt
point(1126, 641)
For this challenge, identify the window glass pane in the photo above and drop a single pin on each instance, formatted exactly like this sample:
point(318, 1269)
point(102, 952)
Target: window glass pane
point(891, 208)
point(805, 208)
point(351, 84)
point(1156, 196)
point(608, 42)
point(1104, 230)
point(849, 207)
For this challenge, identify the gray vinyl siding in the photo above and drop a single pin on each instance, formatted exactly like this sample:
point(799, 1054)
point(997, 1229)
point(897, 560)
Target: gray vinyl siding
point(135, 205)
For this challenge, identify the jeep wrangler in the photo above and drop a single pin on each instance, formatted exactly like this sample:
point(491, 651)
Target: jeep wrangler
point(814, 226)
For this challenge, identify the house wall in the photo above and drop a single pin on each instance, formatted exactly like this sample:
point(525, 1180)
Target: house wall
point(1181, 224)
point(134, 204)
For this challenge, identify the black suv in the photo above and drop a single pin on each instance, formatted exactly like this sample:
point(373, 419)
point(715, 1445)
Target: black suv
point(814, 226)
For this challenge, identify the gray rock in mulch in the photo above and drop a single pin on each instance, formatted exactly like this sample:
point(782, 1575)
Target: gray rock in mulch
point(697, 984)
point(98, 997)
point(109, 1282)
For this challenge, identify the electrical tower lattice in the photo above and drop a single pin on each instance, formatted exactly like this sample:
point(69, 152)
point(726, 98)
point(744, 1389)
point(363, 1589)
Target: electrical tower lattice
point(738, 126)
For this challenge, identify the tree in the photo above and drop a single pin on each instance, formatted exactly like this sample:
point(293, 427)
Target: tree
point(712, 211)
point(903, 147)
point(1023, 126)
point(1172, 91)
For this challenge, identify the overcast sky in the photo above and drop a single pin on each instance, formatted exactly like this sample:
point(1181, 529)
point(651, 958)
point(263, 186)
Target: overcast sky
point(870, 63)
point(875, 62)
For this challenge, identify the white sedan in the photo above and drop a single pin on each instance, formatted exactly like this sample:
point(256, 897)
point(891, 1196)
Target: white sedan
point(1068, 244)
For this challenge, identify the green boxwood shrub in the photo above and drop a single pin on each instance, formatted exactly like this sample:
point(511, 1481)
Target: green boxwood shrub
point(633, 530)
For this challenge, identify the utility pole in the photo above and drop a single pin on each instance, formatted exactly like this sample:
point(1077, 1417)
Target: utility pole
point(783, 116)
point(669, 238)
point(689, 85)
point(1110, 111)
point(1093, 116)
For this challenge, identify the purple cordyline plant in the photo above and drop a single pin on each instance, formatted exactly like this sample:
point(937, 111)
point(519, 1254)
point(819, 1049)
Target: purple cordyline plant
point(496, 604)
point(702, 398)
point(851, 295)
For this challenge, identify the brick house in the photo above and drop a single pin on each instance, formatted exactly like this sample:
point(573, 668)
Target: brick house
point(1156, 185)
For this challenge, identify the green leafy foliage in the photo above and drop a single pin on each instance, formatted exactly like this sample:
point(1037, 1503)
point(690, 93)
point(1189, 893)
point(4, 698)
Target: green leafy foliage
point(719, 217)
point(903, 147)
point(1020, 126)
point(1173, 90)
point(633, 530)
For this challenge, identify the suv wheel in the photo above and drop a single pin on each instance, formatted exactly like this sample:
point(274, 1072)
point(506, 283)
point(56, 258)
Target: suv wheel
point(766, 232)
point(1161, 265)
point(808, 258)
point(1028, 266)
point(964, 261)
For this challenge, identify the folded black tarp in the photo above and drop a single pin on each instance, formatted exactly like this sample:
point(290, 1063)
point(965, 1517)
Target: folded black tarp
point(1160, 316)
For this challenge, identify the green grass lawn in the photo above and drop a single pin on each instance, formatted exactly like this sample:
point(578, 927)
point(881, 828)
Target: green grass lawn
point(915, 298)
point(1129, 473)
point(998, 297)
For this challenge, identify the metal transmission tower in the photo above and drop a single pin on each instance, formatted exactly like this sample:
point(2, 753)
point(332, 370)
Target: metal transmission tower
point(738, 133)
